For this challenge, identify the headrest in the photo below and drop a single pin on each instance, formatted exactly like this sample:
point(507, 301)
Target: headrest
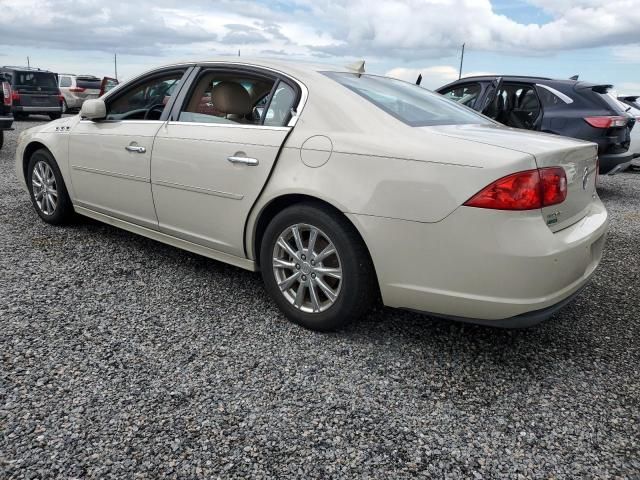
point(231, 98)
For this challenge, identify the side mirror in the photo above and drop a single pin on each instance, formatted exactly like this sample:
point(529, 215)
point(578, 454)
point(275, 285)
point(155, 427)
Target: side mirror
point(93, 109)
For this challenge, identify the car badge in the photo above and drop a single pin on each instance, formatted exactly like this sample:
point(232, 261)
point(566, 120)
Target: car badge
point(585, 178)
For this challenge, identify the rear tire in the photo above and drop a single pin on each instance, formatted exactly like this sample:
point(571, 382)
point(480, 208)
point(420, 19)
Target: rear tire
point(55, 116)
point(318, 290)
point(1, 139)
point(65, 108)
point(20, 116)
point(47, 189)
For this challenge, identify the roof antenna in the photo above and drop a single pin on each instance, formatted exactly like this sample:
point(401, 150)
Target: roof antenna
point(419, 80)
point(357, 67)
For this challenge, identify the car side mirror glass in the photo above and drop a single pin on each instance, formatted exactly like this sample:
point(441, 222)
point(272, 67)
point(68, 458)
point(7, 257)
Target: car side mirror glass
point(93, 109)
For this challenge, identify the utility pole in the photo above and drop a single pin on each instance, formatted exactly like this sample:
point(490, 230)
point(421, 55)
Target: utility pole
point(115, 64)
point(28, 63)
point(461, 60)
point(238, 52)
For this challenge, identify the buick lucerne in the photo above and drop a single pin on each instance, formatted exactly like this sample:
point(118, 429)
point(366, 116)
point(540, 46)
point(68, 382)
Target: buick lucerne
point(339, 186)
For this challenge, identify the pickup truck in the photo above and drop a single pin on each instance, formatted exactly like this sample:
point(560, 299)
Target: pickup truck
point(6, 118)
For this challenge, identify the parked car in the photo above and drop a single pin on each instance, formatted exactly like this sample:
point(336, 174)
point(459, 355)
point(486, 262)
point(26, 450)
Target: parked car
point(632, 107)
point(564, 107)
point(34, 91)
point(107, 84)
point(345, 188)
point(6, 118)
point(632, 101)
point(76, 89)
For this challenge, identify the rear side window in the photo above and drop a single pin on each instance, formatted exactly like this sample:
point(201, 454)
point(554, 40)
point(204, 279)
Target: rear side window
point(407, 102)
point(88, 83)
point(35, 79)
point(464, 94)
point(65, 82)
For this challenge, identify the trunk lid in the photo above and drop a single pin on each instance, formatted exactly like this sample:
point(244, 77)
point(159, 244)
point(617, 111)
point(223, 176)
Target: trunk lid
point(576, 157)
point(91, 86)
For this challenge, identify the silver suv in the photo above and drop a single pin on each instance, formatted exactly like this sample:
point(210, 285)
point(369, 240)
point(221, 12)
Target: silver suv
point(76, 89)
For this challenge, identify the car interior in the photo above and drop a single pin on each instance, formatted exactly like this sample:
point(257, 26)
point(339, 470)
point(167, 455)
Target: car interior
point(227, 98)
point(516, 106)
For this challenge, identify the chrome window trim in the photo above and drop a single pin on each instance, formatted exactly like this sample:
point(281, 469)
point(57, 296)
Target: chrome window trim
point(565, 98)
point(226, 125)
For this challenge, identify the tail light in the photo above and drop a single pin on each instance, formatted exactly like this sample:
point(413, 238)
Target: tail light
point(77, 89)
point(528, 190)
point(6, 94)
point(15, 96)
point(607, 122)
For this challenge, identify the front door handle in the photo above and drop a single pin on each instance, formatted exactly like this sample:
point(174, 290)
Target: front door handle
point(134, 147)
point(252, 162)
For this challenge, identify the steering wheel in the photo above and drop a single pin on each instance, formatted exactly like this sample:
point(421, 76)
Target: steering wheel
point(159, 107)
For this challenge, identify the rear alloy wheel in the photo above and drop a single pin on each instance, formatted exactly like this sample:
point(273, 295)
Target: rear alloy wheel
point(316, 267)
point(46, 186)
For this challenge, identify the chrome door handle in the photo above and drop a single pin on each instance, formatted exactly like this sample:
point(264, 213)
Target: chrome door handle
point(135, 148)
point(252, 162)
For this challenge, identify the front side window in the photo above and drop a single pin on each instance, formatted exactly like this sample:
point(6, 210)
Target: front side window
point(229, 98)
point(65, 82)
point(407, 102)
point(145, 101)
point(464, 94)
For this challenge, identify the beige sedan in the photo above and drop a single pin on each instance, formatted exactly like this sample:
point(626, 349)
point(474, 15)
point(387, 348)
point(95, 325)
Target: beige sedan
point(339, 186)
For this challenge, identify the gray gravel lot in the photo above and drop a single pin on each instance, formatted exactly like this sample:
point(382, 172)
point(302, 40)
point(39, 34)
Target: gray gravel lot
point(122, 358)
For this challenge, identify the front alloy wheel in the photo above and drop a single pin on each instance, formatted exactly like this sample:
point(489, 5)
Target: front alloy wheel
point(316, 267)
point(307, 268)
point(45, 191)
point(46, 186)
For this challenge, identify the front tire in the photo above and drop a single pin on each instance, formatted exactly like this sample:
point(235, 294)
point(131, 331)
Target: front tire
point(316, 267)
point(47, 189)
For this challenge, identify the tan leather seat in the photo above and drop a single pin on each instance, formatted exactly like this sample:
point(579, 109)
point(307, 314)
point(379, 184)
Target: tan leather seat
point(232, 99)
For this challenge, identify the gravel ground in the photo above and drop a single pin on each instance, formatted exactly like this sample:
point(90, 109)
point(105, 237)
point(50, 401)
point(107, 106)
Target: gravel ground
point(123, 358)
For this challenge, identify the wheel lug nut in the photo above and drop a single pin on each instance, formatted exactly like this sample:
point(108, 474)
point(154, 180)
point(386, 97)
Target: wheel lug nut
point(313, 262)
point(297, 266)
point(303, 257)
point(313, 275)
point(304, 278)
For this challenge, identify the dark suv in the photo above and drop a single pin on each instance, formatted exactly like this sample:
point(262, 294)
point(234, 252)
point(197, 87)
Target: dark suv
point(6, 119)
point(34, 91)
point(572, 108)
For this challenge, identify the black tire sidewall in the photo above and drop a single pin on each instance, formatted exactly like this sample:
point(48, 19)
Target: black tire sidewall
point(63, 207)
point(354, 291)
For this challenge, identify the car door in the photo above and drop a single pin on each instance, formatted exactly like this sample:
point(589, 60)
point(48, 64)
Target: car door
point(110, 159)
point(211, 163)
point(488, 106)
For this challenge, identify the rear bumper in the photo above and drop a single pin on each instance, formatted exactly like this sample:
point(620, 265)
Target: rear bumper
point(612, 164)
point(484, 266)
point(5, 123)
point(21, 109)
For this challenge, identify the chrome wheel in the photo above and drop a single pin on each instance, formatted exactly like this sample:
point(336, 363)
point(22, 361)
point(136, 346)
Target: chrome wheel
point(307, 268)
point(45, 192)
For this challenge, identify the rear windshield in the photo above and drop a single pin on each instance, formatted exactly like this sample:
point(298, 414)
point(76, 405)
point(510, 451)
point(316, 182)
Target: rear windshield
point(409, 103)
point(35, 79)
point(88, 82)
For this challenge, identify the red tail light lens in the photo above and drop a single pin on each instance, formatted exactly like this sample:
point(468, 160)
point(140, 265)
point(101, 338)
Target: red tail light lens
point(554, 185)
point(77, 89)
point(15, 96)
point(6, 94)
point(607, 122)
point(528, 190)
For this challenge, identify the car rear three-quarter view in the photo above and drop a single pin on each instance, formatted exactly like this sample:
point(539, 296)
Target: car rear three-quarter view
point(339, 186)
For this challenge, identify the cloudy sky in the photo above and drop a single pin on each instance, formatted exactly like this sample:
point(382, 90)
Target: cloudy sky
point(598, 39)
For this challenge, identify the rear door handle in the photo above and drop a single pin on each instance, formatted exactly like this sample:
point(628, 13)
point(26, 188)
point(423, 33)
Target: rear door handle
point(134, 147)
point(252, 162)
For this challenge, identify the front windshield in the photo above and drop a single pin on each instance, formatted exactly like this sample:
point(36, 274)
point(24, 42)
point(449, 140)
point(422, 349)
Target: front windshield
point(409, 103)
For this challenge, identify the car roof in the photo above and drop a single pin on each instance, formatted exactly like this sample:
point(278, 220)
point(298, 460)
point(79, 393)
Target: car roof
point(527, 79)
point(25, 69)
